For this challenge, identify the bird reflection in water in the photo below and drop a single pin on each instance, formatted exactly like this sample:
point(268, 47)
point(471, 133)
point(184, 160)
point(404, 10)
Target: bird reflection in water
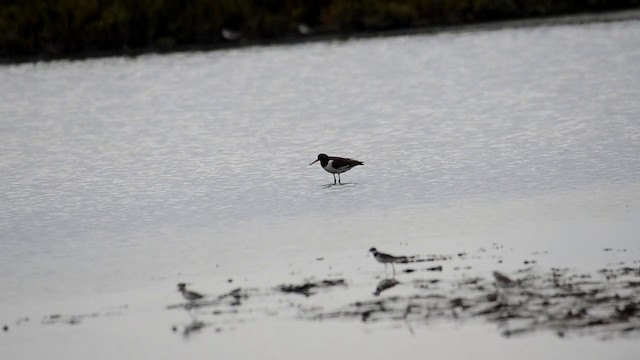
point(385, 284)
point(192, 297)
point(194, 327)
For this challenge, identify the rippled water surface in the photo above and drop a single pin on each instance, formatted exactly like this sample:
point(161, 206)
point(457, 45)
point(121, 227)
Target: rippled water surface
point(123, 173)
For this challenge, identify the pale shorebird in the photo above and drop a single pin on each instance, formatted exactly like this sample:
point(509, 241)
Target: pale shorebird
point(388, 259)
point(503, 281)
point(190, 296)
point(336, 165)
point(230, 35)
point(304, 29)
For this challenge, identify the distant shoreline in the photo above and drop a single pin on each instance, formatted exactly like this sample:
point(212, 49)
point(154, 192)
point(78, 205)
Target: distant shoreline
point(571, 19)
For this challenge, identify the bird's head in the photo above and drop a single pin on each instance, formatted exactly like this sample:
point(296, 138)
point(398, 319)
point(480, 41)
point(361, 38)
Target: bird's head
point(321, 158)
point(373, 250)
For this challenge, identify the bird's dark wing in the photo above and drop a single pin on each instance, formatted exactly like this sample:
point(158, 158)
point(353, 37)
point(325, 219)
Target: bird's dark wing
point(196, 295)
point(393, 258)
point(339, 162)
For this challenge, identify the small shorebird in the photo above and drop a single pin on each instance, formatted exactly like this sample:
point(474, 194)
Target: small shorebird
point(388, 259)
point(230, 35)
point(336, 165)
point(304, 29)
point(503, 281)
point(190, 296)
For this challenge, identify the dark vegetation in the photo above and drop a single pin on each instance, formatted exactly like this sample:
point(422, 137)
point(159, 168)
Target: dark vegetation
point(58, 28)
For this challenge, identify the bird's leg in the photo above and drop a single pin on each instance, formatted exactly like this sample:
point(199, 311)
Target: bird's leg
point(191, 315)
point(339, 181)
point(334, 179)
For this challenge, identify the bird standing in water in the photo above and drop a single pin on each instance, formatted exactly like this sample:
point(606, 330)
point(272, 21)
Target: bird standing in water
point(190, 296)
point(336, 165)
point(388, 259)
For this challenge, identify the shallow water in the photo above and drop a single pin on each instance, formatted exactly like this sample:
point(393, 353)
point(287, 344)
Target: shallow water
point(120, 174)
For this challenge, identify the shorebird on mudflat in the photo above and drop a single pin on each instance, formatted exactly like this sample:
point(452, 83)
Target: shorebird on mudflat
point(388, 259)
point(336, 165)
point(190, 296)
point(503, 281)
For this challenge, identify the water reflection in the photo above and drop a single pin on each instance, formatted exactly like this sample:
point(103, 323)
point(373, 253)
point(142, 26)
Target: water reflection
point(338, 186)
point(106, 159)
point(192, 328)
point(385, 284)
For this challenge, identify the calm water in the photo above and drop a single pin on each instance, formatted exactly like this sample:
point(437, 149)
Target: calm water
point(122, 173)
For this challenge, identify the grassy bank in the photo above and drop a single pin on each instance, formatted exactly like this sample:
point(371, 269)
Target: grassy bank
point(59, 28)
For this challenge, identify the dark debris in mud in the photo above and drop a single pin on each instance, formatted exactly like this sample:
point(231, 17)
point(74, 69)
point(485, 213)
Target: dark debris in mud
point(67, 319)
point(310, 288)
point(426, 258)
point(603, 304)
point(558, 301)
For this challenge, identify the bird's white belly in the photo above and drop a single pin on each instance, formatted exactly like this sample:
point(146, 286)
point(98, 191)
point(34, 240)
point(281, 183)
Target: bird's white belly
point(331, 169)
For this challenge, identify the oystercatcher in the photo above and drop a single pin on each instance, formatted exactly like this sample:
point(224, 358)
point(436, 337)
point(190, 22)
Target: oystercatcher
point(336, 165)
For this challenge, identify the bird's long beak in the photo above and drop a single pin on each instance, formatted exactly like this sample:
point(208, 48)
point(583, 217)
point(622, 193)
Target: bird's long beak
point(313, 162)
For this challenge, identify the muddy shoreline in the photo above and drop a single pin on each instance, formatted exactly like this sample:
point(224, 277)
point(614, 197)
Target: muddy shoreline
point(602, 303)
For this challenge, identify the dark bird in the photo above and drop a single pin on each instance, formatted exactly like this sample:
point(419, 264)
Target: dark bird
point(388, 259)
point(336, 165)
point(189, 295)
